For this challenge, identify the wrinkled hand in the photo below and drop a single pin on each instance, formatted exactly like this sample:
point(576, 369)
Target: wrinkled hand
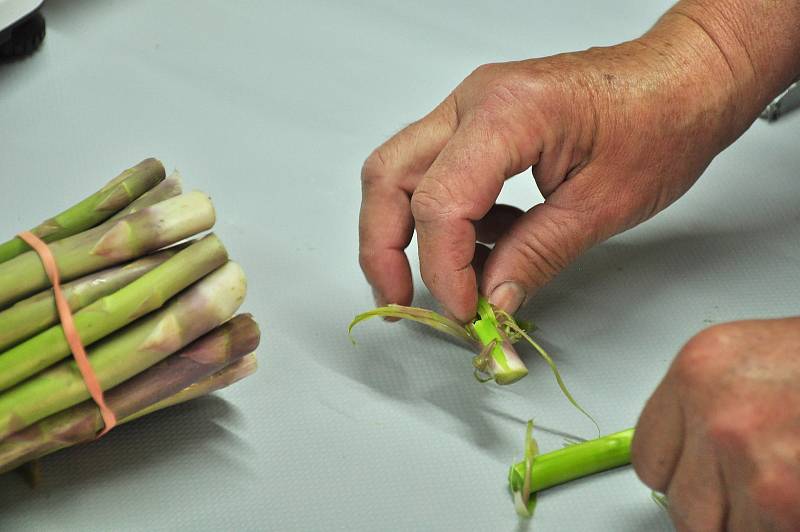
point(721, 434)
point(613, 136)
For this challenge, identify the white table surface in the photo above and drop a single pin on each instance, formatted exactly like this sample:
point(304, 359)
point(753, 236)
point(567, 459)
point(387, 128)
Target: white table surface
point(271, 108)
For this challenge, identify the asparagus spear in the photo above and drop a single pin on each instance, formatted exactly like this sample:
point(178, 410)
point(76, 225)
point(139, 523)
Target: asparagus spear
point(114, 311)
point(137, 396)
point(169, 188)
point(544, 471)
point(228, 375)
point(201, 308)
point(33, 315)
point(111, 243)
point(115, 195)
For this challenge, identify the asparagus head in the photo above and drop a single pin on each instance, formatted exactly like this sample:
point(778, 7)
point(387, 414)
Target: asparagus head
point(113, 197)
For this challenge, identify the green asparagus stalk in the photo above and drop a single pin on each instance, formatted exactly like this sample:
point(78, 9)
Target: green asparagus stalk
point(114, 196)
point(575, 461)
point(498, 359)
point(110, 243)
point(169, 188)
point(228, 375)
point(201, 308)
point(136, 396)
point(37, 313)
point(114, 311)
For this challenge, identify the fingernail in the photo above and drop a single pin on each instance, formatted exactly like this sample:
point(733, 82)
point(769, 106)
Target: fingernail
point(380, 301)
point(509, 296)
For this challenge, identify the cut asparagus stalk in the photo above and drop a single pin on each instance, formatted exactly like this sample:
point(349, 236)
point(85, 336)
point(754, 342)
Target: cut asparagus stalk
point(544, 471)
point(493, 331)
point(114, 196)
point(37, 313)
point(114, 311)
point(228, 375)
point(201, 308)
point(169, 188)
point(498, 358)
point(108, 244)
point(184, 370)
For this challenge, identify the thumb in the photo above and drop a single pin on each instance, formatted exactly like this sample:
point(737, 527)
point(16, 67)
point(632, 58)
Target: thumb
point(535, 249)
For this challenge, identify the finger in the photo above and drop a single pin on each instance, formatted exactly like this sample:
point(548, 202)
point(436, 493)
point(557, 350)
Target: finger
point(532, 251)
point(388, 177)
point(696, 493)
point(658, 439)
point(459, 188)
point(496, 222)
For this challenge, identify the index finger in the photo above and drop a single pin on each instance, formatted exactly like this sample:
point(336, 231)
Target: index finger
point(389, 176)
point(460, 188)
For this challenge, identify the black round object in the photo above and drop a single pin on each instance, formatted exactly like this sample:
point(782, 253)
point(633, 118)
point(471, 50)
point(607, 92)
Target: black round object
point(26, 36)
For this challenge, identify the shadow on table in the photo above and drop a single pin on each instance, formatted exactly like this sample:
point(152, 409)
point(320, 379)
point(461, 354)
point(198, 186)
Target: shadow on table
point(150, 443)
point(637, 268)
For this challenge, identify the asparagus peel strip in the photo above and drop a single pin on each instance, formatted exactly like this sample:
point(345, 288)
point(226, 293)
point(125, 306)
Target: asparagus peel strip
point(115, 310)
point(114, 196)
point(144, 393)
point(110, 243)
point(557, 374)
point(199, 309)
point(539, 472)
point(493, 331)
point(38, 312)
point(420, 315)
point(524, 500)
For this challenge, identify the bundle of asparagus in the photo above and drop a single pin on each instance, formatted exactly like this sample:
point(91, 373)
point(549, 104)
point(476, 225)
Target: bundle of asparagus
point(154, 311)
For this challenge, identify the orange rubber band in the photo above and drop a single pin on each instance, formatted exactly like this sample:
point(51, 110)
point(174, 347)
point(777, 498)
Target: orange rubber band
point(70, 331)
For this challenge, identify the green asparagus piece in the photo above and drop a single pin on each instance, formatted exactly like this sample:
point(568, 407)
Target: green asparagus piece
point(544, 471)
point(37, 313)
point(114, 311)
point(201, 308)
point(169, 188)
point(498, 358)
point(110, 243)
point(114, 196)
point(136, 396)
point(228, 375)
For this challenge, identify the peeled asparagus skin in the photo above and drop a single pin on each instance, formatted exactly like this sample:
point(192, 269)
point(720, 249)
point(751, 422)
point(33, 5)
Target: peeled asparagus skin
point(197, 310)
point(108, 244)
point(195, 363)
point(169, 188)
point(114, 311)
point(37, 313)
point(230, 374)
point(114, 196)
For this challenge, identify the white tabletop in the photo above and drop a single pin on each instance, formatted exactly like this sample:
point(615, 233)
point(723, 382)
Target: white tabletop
point(271, 108)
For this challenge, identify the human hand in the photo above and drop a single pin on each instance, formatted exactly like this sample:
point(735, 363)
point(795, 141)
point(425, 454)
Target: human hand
point(721, 434)
point(613, 135)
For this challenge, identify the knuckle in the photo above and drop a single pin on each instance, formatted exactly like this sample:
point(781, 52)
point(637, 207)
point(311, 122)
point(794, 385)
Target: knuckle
point(699, 360)
point(484, 71)
point(733, 428)
point(377, 168)
point(546, 251)
point(775, 492)
point(544, 261)
point(432, 200)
